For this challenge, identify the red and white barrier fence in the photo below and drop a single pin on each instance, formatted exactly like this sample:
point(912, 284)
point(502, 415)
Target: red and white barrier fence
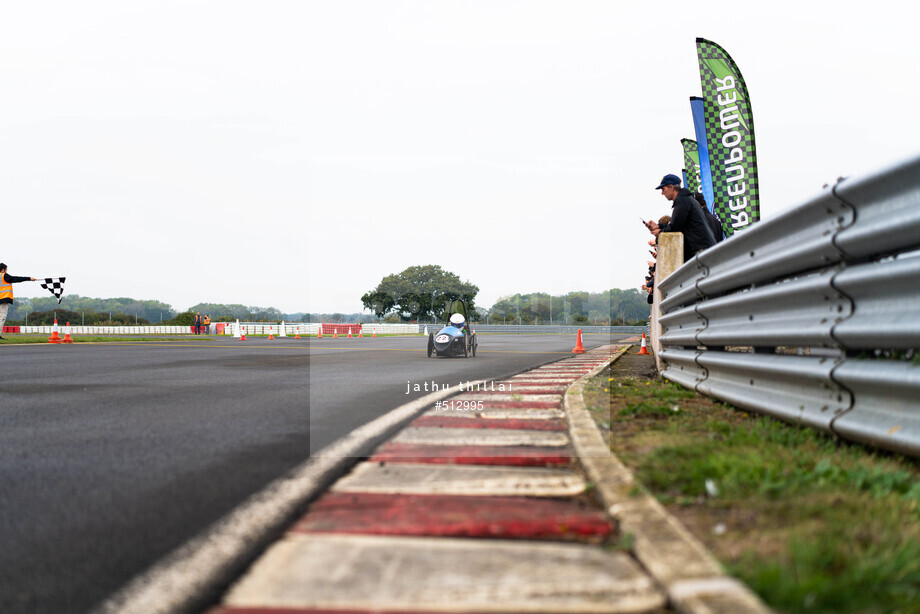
point(230, 328)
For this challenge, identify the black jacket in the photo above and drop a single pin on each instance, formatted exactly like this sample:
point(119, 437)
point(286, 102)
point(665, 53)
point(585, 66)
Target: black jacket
point(12, 279)
point(714, 224)
point(687, 217)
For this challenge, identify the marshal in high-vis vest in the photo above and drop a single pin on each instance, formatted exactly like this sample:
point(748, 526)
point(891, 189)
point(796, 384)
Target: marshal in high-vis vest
point(6, 293)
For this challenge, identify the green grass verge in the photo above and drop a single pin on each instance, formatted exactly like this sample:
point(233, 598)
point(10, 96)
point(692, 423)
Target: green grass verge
point(809, 523)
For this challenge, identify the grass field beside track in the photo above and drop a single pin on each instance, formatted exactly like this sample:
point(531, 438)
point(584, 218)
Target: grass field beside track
point(810, 523)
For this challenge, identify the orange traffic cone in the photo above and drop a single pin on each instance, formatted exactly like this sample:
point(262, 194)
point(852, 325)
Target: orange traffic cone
point(579, 348)
point(375, 333)
point(55, 337)
point(297, 333)
point(643, 350)
point(349, 332)
point(319, 333)
point(271, 333)
point(243, 334)
point(67, 337)
point(359, 334)
point(335, 333)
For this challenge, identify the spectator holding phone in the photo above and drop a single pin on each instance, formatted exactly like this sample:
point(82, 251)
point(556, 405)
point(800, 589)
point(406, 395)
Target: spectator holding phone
point(686, 218)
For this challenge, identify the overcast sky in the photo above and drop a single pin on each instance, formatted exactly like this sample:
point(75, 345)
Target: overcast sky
point(291, 154)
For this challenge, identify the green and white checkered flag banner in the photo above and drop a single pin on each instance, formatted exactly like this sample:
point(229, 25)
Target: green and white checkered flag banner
point(692, 164)
point(730, 138)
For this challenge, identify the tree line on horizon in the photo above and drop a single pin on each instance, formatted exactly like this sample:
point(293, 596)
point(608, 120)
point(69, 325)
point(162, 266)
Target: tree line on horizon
point(93, 311)
point(614, 307)
point(123, 311)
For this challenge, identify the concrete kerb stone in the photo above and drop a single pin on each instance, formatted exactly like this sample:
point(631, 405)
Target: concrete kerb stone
point(459, 516)
point(378, 573)
point(501, 414)
point(480, 421)
point(690, 575)
point(548, 376)
point(722, 595)
point(511, 396)
point(508, 456)
point(411, 478)
point(479, 437)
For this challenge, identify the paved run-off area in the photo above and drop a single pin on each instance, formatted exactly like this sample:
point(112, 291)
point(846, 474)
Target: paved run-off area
point(513, 506)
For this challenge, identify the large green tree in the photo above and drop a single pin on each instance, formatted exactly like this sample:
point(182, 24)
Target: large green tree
point(419, 292)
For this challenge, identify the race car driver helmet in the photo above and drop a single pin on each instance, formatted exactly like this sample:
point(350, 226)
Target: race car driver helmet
point(457, 320)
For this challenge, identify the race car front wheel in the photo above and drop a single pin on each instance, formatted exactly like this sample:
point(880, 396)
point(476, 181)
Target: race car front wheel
point(430, 344)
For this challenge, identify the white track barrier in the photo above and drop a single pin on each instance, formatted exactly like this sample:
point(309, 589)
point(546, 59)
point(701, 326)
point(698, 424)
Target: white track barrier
point(230, 328)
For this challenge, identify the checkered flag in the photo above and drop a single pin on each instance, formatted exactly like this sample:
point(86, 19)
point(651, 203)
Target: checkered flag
point(54, 285)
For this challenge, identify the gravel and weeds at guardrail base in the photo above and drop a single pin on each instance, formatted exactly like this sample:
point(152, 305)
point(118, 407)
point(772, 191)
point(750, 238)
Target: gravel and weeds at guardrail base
point(811, 524)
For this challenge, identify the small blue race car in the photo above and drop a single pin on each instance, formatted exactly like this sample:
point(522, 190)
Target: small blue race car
point(455, 338)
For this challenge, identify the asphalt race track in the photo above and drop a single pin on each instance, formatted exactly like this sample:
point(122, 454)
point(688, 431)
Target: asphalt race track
point(112, 455)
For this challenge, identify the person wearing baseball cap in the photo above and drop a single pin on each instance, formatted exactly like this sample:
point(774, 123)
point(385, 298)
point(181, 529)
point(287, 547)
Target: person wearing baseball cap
point(686, 217)
point(669, 180)
point(6, 293)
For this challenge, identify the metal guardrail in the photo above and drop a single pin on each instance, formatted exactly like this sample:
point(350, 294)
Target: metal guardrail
point(825, 295)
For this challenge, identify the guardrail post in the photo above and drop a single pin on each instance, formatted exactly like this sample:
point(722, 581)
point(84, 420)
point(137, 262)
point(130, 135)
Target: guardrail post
point(670, 258)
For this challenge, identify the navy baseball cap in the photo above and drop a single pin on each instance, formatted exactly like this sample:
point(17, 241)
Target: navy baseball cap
point(669, 180)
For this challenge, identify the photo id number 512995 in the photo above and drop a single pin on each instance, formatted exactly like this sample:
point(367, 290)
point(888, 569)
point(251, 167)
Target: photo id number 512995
point(459, 405)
